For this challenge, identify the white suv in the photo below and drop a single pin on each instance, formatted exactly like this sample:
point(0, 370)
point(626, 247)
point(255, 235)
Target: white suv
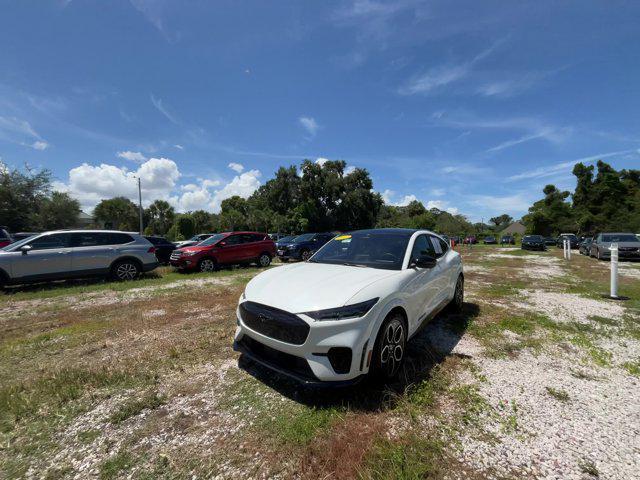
point(76, 253)
point(350, 309)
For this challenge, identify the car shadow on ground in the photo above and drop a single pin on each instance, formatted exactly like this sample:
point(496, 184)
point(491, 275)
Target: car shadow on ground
point(427, 349)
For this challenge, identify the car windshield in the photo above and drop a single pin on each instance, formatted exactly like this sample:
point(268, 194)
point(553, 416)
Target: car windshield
point(18, 244)
point(303, 238)
point(533, 238)
point(212, 239)
point(570, 236)
point(620, 237)
point(381, 249)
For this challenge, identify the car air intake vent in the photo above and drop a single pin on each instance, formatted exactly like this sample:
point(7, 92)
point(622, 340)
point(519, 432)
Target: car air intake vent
point(274, 323)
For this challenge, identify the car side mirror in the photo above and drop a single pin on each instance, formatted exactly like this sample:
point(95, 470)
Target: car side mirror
point(26, 249)
point(222, 244)
point(423, 261)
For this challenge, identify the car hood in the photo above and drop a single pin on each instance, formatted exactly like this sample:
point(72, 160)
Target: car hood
point(307, 286)
point(193, 248)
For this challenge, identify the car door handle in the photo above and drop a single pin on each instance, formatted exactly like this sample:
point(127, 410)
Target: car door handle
point(64, 252)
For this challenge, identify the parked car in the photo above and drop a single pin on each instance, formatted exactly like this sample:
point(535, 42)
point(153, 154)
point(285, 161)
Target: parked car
point(196, 239)
point(573, 240)
point(303, 246)
point(585, 246)
point(350, 310)
point(456, 239)
point(284, 241)
point(533, 242)
point(76, 253)
point(507, 240)
point(549, 241)
point(628, 246)
point(229, 248)
point(278, 236)
point(470, 240)
point(164, 248)
point(490, 240)
point(5, 237)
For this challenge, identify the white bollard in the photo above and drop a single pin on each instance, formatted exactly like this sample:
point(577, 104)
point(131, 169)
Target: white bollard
point(614, 270)
point(568, 250)
point(564, 248)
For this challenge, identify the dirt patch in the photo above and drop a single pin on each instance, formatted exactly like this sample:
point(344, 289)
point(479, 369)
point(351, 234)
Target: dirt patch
point(567, 307)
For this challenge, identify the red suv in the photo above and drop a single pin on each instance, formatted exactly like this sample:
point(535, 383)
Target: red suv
point(225, 249)
point(5, 238)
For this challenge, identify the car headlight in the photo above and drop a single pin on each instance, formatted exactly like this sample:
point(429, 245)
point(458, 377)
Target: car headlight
point(189, 254)
point(348, 311)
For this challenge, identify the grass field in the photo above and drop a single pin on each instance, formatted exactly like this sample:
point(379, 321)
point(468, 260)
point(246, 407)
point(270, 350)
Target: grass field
point(538, 377)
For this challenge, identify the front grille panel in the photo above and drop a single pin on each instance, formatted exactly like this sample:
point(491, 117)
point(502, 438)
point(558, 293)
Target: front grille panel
point(274, 323)
point(282, 361)
point(175, 256)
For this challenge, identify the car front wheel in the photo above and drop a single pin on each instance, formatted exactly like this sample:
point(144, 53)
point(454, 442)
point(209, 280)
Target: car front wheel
point(305, 255)
point(206, 265)
point(264, 260)
point(125, 270)
point(389, 349)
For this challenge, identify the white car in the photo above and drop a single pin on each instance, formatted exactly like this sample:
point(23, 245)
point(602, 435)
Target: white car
point(350, 309)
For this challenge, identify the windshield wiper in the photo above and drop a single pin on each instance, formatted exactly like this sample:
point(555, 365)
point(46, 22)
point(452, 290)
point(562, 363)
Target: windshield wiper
point(347, 264)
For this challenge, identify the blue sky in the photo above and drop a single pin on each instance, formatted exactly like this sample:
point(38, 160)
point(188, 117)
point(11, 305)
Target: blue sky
point(467, 106)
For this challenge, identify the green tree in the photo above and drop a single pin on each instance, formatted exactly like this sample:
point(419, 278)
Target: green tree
point(160, 216)
point(57, 211)
point(21, 195)
point(501, 221)
point(551, 215)
point(117, 213)
point(185, 226)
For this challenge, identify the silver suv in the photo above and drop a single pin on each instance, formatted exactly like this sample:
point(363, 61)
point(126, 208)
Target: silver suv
point(76, 253)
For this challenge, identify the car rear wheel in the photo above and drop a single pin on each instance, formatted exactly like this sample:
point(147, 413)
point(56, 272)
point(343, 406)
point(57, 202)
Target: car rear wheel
point(305, 255)
point(389, 349)
point(264, 260)
point(206, 265)
point(125, 270)
point(457, 301)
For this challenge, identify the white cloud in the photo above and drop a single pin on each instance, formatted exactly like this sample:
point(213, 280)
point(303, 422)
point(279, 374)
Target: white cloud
point(242, 185)
point(132, 156)
point(388, 196)
point(157, 102)
point(178, 146)
point(90, 184)
point(321, 161)
point(310, 125)
point(443, 75)
point(39, 145)
point(516, 204)
point(236, 167)
point(349, 170)
point(463, 169)
point(21, 132)
point(441, 205)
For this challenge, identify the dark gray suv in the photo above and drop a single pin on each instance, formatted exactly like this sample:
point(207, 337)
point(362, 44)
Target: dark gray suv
point(76, 253)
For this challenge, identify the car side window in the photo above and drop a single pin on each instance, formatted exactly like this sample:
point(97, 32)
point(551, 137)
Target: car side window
point(422, 246)
point(233, 240)
point(88, 239)
point(116, 238)
point(48, 242)
point(258, 237)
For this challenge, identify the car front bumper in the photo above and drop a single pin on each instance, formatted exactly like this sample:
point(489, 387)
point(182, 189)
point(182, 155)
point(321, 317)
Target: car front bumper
point(310, 361)
point(289, 254)
point(184, 263)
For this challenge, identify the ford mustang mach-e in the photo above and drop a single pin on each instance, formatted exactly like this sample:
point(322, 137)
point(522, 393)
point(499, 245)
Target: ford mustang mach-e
point(351, 308)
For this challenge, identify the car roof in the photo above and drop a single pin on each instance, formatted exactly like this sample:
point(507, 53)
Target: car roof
point(82, 230)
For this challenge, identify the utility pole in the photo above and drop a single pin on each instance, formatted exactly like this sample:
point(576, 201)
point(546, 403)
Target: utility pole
point(140, 205)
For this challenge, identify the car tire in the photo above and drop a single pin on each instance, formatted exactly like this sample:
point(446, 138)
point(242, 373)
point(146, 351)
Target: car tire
point(305, 255)
point(125, 270)
point(389, 349)
point(457, 302)
point(598, 254)
point(264, 260)
point(207, 265)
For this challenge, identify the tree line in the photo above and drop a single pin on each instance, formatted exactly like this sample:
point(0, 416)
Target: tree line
point(325, 197)
point(604, 200)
